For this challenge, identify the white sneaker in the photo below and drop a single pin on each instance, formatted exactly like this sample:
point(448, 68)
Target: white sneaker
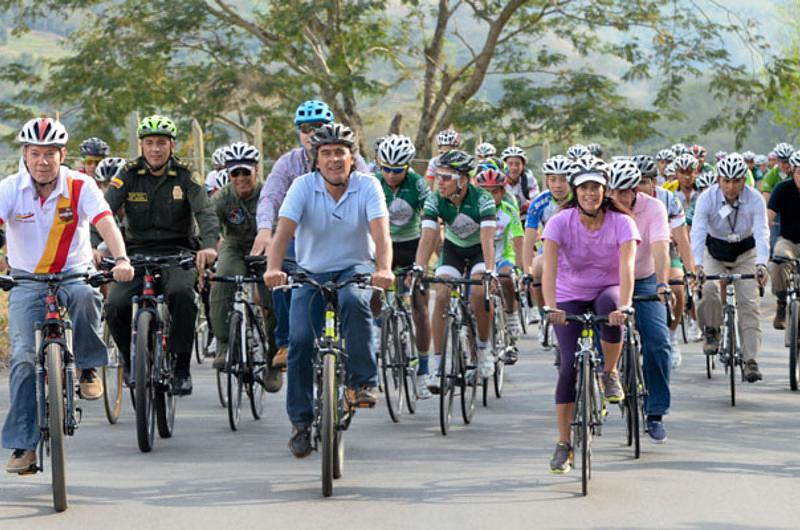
point(485, 362)
point(212, 347)
point(422, 387)
point(514, 325)
point(432, 384)
point(695, 335)
point(675, 354)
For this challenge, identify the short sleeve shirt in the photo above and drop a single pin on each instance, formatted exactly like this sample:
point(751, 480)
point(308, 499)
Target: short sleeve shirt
point(651, 220)
point(332, 236)
point(508, 227)
point(462, 223)
point(541, 209)
point(785, 201)
point(53, 235)
point(405, 206)
point(588, 262)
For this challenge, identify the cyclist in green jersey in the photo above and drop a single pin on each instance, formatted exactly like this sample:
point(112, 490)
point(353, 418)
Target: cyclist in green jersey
point(406, 193)
point(507, 240)
point(780, 172)
point(469, 216)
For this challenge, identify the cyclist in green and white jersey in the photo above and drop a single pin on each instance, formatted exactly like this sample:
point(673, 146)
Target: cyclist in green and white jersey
point(469, 217)
point(406, 193)
point(507, 240)
point(543, 207)
point(780, 172)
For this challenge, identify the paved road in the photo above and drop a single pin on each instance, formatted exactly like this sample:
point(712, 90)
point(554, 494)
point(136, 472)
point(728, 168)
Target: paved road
point(722, 467)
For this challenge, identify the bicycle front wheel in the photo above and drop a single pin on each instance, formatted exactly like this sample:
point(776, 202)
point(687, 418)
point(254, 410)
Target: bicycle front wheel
point(391, 365)
point(328, 423)
point(730, 348)
point(447, 375)
point(585, 423)
point(55, 425)
point(410, 362)
point(234, 370)
point(794, 344)
point(467, 372)
point(145, 386)
point(112, 379)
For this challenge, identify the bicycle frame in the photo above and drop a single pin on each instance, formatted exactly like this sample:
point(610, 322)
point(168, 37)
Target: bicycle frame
point(153, 303)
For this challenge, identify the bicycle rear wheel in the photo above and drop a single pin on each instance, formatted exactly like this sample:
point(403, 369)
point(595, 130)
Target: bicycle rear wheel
point(467, 362)
point(391, 365)
point(55, 425)
point(710, 365)
point(112, 378)
point(256, 390)
point(234, 370)
point(794, 345)
point(328, 423)
point(145, 388)
point(200, 345)
point(500, 349)
point(447, 375)
point(730, 358)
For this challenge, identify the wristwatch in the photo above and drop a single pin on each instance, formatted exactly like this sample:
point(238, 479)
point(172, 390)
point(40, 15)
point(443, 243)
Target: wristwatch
point(122, 258)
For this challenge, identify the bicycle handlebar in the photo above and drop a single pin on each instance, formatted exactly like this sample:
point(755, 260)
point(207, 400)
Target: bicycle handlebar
point(95, 279)
point(298, 279)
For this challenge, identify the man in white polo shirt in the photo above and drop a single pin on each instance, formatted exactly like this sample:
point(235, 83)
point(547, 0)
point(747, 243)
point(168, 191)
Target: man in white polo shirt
point(47, 209)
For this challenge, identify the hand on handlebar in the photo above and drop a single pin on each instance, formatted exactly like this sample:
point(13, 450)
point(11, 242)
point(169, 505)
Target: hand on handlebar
point(383, 278)
point(556, 317)
point(619, 316)
point(122, 271)
point(275, 278)
point(762, 276)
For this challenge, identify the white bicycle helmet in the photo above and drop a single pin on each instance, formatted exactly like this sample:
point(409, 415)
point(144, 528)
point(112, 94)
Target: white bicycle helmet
point(705, 179)
point(43, 131)
point(221, 179)
point(665, 154)
point(646, 165)
point(761, 159)
point(485, 150)
point(108, 168)
point(669, 171)
point(685, 162)
point(557, 165)
point(794, 160)
point(241, 152)
point(396, 150)
point(624, 175)
point(595, 150)
point(749, 156)
point(732, 167)
point(218, 157)
point(448, 137)
point(514, 151)
point(588, 169)
point(783, 151)
point(578, 151)
point(679, 149)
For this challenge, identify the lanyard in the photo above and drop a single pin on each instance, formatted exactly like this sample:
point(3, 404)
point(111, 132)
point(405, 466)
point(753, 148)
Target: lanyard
point(732, 224)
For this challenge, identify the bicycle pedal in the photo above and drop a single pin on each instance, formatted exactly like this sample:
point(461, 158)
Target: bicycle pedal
point(30, 471)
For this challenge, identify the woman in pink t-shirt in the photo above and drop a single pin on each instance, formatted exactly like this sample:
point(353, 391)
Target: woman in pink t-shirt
point(589, 253)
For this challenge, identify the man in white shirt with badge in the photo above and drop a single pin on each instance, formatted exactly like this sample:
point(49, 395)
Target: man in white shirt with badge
point(47, 209)
point(730, 234)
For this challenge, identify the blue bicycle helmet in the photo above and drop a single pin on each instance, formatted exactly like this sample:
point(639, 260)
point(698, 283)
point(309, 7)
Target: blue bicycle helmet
point(312, 111)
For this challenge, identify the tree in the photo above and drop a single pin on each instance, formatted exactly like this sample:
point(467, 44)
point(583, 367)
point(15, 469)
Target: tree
point(535, 68)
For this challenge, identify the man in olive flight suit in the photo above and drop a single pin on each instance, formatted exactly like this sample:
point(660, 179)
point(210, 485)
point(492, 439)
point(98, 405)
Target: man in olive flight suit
point(162, 202)
point(235, 206)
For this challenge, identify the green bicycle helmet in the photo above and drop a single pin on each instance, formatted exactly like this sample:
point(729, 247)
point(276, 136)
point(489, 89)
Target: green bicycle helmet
point(157, 126)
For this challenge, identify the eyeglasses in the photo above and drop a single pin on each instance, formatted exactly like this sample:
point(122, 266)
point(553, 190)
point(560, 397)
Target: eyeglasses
point(307, 128)
point(241, 173)
point(92, 159)
point(394, 169)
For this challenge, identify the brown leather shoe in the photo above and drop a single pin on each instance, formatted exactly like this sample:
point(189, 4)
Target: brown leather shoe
point(281, 358)
point(22, 461)
point(273, 380)
point(364, 397)
point(91, 386)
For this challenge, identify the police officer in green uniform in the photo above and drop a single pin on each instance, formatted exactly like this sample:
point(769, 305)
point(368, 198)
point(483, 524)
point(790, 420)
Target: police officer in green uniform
point(162, 202)
point(235, 205)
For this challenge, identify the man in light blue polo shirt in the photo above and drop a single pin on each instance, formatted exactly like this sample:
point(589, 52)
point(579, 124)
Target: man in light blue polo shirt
point(340, 223)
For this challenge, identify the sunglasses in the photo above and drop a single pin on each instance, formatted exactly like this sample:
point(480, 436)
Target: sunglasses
point(307, 128)
point(92, 159)
point(394, 169)
point(241, 173)
point(447, 177)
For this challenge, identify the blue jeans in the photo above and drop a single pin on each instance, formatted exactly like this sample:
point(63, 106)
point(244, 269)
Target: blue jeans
point(25, 308)
point(282, 301)
point(307, 314)
point(651, 320)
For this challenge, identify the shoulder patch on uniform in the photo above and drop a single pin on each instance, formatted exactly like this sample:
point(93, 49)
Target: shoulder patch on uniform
point(117, 182)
